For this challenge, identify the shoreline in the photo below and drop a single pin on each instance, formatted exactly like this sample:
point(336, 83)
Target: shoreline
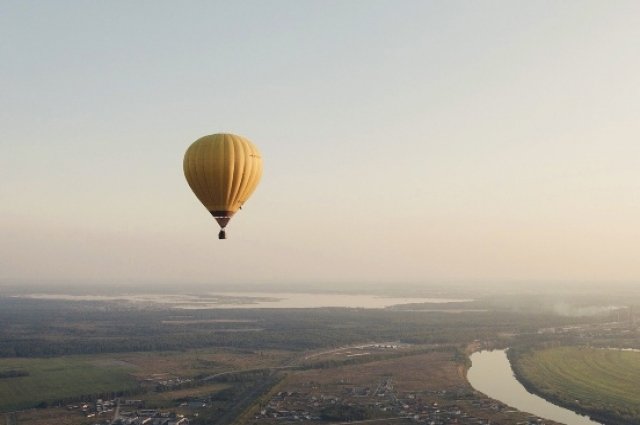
point(604, 417)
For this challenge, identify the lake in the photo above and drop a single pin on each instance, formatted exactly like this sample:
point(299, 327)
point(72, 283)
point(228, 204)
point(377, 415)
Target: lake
point(254, 300)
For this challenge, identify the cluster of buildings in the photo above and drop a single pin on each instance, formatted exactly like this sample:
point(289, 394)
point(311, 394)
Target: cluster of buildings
point(166, 384)
point(127, 412)
point(149, 417)
point(92, 410)
point(384, 402)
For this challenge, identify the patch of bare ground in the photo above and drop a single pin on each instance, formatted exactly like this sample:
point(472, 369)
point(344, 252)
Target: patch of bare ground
point(204, 390)
point(432, 371)
point(194, 363)
point(57, 415)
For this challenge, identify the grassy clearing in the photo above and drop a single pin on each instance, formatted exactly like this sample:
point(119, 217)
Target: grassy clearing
point(59, 378)
point(168, 399)
point(193, 363)
point(594, 380)
point(420, 372)
point(68, 377)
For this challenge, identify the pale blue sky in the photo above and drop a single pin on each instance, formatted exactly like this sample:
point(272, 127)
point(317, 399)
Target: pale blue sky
point(409, 141)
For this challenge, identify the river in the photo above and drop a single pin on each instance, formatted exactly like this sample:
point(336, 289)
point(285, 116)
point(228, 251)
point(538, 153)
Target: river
point(492, 375)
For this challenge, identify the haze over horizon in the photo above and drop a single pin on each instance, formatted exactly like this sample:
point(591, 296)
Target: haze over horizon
point(402, 142)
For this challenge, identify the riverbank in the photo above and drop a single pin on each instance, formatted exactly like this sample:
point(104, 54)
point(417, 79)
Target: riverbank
point(585, 380)
point(491, 374)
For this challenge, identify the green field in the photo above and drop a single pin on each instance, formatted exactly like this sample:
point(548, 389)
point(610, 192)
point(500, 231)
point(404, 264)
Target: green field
point(59, 378)
point(600, 381)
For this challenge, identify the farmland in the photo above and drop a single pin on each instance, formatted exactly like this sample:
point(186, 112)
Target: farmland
point(47, 380)
point(59, 378)
point(600, 382)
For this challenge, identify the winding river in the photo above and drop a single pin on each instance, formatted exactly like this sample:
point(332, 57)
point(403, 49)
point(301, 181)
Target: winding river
point(492, 375)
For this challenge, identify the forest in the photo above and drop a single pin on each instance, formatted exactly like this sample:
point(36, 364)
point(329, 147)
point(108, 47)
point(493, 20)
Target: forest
point(48, 328)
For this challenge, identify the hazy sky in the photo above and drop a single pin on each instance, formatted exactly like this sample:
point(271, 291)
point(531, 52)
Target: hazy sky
point(409, 141)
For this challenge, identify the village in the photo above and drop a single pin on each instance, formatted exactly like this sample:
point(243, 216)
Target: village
point(383, 402)
point(399, 390)
point(127, 412)
point(311, 403)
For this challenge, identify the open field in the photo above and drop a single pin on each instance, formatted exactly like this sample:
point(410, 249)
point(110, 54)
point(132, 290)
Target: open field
point(167, 399)
point(59, 378)
point(602, 382)
point(71, 377)
point(433, 371)
point(192, 363)
point(52, 415)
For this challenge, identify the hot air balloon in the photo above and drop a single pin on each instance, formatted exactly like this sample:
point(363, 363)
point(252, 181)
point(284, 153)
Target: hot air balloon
point(223, 170)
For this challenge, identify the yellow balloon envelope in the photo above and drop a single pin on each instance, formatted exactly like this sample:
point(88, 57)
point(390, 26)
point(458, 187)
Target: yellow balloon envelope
point(223, 170)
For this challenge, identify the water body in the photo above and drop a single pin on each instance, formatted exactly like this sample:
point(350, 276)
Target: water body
point(301, 300)
point(492, 375)
point(255, 300)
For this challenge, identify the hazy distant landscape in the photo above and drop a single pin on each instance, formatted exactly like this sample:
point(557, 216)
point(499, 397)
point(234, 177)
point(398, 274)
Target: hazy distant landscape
point(69, 348)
